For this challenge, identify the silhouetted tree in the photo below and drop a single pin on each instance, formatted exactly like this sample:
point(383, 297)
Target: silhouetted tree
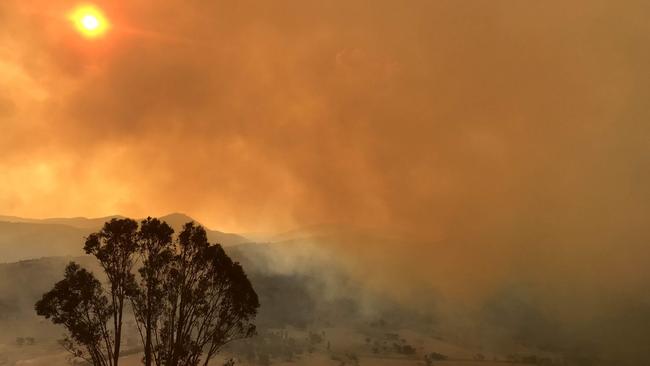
point(209, 302)
point(114, 247)
point(189, 299)
point(155, 247)
point(78, 303)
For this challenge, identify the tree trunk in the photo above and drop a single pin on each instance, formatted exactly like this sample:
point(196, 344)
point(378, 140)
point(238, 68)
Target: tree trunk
point(118, 334)
point(148, 325)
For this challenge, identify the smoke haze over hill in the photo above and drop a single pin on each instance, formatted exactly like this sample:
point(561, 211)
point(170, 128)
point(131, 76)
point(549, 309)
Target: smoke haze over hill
point(463, 150)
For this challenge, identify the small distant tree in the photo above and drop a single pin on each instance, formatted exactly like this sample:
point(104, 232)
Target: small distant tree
point(77, 302)
point(427, 360)
point(315, 338)
point(435, 356)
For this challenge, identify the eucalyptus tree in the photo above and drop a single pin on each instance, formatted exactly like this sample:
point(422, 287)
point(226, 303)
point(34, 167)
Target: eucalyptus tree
point(209, 302)
point(78, 303)
point(156, 252)
point(189, 298)
point(115, 246)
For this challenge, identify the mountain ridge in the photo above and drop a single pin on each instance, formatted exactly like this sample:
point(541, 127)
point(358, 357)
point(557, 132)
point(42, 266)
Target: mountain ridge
point(25, 238)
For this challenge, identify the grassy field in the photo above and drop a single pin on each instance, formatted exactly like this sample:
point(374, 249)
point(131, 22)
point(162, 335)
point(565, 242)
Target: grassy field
point(322, 347)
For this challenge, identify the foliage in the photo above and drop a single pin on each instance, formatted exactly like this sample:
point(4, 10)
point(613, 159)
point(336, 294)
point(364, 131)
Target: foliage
point(114, 247)
point(155, 248)
point(77, 302)
point(208, 302)
point(189, 298)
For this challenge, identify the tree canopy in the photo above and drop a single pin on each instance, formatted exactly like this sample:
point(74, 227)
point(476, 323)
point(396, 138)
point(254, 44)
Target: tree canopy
point(188, 297)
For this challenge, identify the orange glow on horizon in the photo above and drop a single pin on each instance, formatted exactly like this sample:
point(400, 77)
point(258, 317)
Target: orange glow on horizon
point(90, 21)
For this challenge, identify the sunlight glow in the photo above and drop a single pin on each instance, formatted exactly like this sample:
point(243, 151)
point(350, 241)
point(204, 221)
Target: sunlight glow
point(89, 21)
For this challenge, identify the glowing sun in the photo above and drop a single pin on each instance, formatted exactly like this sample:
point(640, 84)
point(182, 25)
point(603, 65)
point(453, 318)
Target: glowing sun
point(89, 21)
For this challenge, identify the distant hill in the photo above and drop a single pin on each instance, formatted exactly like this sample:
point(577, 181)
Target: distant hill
point(24, 238)
point(297, 282)
point(177, 220)
point(22, 283)
point(294, 297)
point(78, 222)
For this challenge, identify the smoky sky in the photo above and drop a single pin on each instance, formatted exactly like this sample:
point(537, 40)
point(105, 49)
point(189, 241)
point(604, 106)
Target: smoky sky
point(496, 139)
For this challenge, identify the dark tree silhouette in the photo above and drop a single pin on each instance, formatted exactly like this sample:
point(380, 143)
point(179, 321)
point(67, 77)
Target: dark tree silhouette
point(78, 303)
point(114, 247)
point(189, 300)
point(209, 302)
point(155, 247)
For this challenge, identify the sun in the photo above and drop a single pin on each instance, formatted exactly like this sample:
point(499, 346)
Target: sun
point(89, 20)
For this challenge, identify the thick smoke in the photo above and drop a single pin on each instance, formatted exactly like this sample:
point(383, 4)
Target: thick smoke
point(486, 144)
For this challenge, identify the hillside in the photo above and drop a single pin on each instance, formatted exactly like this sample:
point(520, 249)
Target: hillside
point(22, 238)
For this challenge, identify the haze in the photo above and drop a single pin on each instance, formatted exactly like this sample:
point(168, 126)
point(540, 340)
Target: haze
point(484, 144)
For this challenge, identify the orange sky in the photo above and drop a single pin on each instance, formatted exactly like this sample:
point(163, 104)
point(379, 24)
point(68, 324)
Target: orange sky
point(499, 140)
point(424, 116)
